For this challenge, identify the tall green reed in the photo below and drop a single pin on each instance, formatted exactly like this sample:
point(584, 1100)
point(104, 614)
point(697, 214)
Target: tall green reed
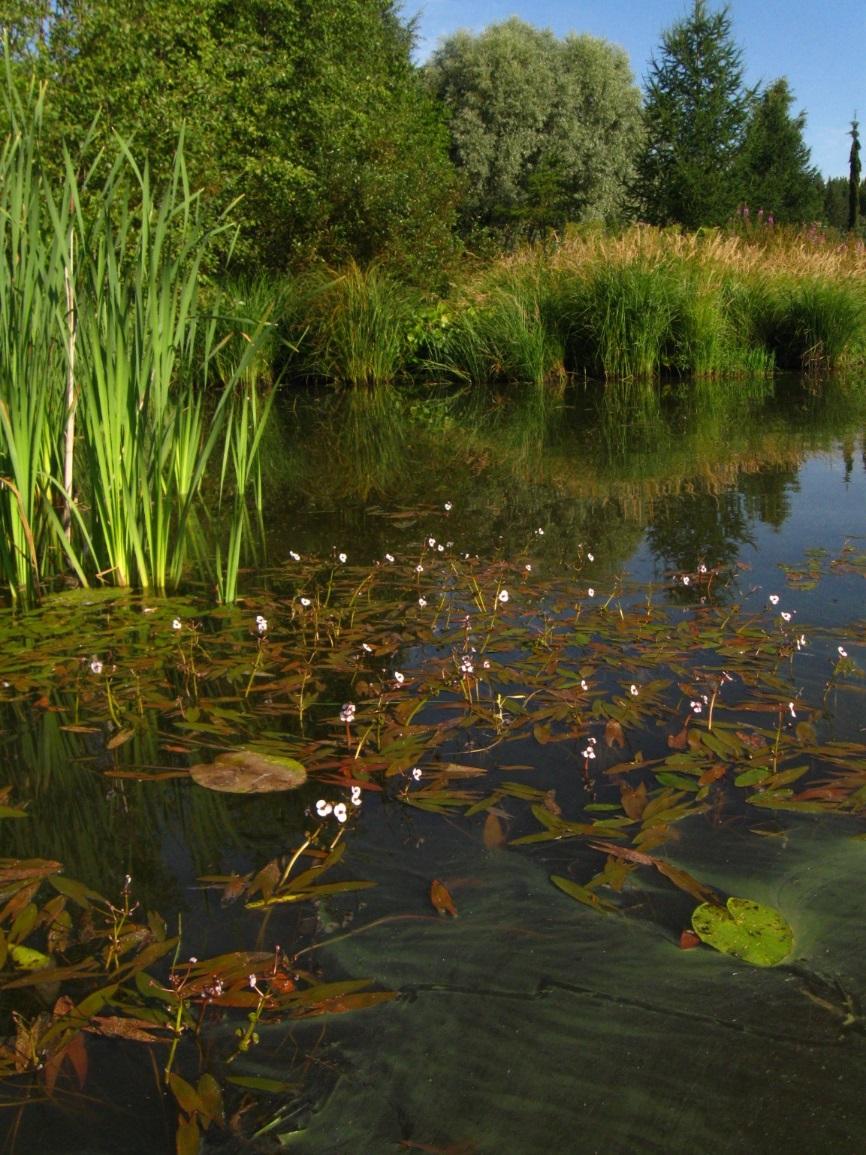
point(119, 339)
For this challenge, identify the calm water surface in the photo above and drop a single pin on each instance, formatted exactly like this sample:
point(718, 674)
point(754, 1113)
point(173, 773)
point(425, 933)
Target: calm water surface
point(530, 1022)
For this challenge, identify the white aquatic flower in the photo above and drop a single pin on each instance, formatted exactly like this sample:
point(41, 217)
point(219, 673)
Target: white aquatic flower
point(485, 664)
point(791, 710)
point(389, 557)
point(95, 666)
point(633, 690)
point(366, 647)
point(347, 713)
point(466, 665)
point(702, 568)
point(686, 579)
point(528, 567)
point(503, 596)
point(440, 548)
point(431, 541)
point(417, 773)
point(399, 678)
point(340, 812)
point(419, 568)
point(584, 684)
point(341, 557)
point(540, 532)
point(253, 980)
point(261, 624)
point(774, 599)
point(589, 752)
point(422, 602)
point(696, 706)
point(843, 653)
point(591, 556)
point(176, 624)
point(785, 616)
point(449, 505)
point(356, 796)
point(305, 602)
point(323, 808)
point(590, 593)
point(294, 556)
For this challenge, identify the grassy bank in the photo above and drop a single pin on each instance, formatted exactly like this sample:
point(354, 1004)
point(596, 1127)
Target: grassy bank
point(643, 306)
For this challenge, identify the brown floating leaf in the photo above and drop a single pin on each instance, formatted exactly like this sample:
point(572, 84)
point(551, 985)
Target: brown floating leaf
point(713, 774)
point(679, 741)
point(494, 832)
point(442, 901)
point(614, 734)
point(249, 772)
point(549, 803)
point(633, 800)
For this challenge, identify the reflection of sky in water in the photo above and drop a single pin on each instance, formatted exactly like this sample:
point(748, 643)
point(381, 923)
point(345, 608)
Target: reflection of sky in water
point(822, 507)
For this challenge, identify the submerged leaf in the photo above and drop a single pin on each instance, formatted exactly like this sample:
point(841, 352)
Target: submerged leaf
point(442, 901)
point(747, 930)
point(249, 772)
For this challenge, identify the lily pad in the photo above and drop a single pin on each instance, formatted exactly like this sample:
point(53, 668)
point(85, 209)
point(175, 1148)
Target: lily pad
point(747, 930)
point(249, 772)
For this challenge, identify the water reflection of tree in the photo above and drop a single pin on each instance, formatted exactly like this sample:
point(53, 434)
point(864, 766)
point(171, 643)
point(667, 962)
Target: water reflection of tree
point(767, 493)
point(704, 528)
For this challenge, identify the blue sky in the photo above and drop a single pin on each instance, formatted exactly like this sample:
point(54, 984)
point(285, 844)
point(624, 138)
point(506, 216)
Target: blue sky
point(819, 47)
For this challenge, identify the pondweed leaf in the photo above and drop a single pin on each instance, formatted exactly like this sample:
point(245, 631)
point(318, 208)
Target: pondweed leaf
point(746, 930)
point(582, 894)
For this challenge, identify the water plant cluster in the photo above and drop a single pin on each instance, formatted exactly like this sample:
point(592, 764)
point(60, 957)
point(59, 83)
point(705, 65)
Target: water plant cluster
point(107, 425)
point(429, 682)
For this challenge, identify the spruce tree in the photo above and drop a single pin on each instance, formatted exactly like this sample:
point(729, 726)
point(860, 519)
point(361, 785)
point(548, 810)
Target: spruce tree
point(775, 171)
point(695, 114)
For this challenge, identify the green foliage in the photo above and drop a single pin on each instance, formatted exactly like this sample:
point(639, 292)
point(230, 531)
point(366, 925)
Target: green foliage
point(308, 117)
point(746, 930)
point(854, 170)
point(543, 131)
point(775, 172)
point(696, 114)
point(353, 326)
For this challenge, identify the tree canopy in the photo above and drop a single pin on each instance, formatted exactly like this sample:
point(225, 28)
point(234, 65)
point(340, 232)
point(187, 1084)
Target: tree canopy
point(775, 170)
point(309, 111)
point(543, 130)
point(696, 114)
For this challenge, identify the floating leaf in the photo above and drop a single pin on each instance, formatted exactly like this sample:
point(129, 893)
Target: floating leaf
point(747, 930)
point(582, 894)
point(249, 772)
point(494, 832)
point(442, 901)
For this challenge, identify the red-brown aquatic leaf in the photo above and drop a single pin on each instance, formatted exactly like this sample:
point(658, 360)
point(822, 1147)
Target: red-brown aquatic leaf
point(211, 1096)
point(120, 738)
point(340, 1004)
point(441, 900)
point(550, 804)
point(713, 774)
point(633, 800)
point(753, 741)
point(494, 832)
point(689, 940)
point(116, 1026)
point(680, 740)
point(614, 734)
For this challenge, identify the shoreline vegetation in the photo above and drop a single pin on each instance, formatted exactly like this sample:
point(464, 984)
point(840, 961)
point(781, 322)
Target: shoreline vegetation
point(138, 454)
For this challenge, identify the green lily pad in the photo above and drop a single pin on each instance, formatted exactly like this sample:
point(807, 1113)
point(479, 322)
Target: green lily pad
point(249, 772)
point(747, 930)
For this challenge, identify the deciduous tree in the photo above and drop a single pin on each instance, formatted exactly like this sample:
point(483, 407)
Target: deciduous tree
point(543, 130)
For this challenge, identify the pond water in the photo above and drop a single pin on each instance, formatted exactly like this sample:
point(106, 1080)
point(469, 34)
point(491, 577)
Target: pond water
point(600, 674)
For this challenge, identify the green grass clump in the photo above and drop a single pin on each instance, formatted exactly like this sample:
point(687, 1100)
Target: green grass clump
point(352, 326)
